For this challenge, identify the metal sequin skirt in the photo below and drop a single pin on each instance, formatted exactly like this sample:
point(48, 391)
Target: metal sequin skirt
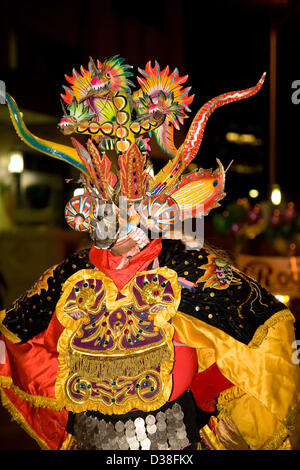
point(169, 428)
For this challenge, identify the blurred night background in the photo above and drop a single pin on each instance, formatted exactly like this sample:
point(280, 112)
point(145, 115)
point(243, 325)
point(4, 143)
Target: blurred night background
point(223, 46)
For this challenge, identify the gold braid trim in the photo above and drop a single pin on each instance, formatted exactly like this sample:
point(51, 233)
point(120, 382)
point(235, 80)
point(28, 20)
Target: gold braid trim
point(277, 441)
point(228, 395)
point(17, 416)
point(281, 439)
point(108, 369)
point(8, 334)
point(263, 330)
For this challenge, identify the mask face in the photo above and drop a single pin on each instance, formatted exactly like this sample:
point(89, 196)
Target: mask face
point(110, 224)
point(104, 226)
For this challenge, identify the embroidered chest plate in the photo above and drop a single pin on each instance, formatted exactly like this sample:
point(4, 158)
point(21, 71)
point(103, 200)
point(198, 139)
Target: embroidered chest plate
point(116, 352)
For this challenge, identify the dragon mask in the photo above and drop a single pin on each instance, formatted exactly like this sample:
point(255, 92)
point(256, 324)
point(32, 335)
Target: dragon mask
point(122, 199)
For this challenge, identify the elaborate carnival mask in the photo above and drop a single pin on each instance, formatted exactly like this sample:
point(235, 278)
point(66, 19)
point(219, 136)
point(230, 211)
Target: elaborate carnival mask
point(121, 199)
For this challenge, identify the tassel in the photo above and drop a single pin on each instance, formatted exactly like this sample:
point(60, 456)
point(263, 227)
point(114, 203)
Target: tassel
point(110, 368)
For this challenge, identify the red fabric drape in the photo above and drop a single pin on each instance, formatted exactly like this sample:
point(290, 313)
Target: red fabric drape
point(106, 262)
point(207, 386)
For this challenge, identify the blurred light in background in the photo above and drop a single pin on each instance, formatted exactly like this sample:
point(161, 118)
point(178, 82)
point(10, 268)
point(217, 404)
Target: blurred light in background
point(78, 192)
point(283, 298)
point(254, 193)
point(276, 195)
point(16, 162)
point(243, 139)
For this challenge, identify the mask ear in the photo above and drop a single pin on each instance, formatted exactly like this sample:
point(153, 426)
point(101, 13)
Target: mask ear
point(79, 211)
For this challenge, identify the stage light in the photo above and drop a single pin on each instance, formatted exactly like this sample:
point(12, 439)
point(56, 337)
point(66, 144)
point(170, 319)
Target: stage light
point(276, 195)
point(254, 193)
point(16, 162)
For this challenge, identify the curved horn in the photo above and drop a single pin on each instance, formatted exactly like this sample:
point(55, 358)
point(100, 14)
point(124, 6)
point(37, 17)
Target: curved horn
point(194, 136)
point(61, 152)
point(171, 172)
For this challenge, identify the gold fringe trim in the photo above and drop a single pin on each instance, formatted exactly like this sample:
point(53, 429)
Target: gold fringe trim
point(5, 382)
point(34, 400)
point(108, 369)
point(263, 330)
point(281, 439)
point(20, 420)
point(38, 401)
point(8, 334)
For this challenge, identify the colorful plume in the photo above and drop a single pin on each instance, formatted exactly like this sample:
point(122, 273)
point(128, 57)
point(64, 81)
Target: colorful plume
point(159, 83)
point(110, 75)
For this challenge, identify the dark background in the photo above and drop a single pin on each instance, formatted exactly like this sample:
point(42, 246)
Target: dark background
point(222, 45)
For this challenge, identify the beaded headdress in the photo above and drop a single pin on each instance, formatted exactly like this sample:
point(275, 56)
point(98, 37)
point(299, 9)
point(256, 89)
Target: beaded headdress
point(98, 102)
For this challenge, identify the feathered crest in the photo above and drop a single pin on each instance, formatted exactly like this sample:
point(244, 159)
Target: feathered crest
point(102, 77)
point(80, 85)
point(115, 70)
point(158, 83)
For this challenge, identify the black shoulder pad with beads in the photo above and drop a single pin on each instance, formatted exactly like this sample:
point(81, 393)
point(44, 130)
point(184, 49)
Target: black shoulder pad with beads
point(31, 313)
point(217, 293)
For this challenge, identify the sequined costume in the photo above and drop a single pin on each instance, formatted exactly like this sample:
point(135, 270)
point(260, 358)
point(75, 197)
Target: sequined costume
point(143, 342)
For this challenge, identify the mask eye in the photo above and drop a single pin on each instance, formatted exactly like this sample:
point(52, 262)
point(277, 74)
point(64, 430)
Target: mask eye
point(79, 211)
point(108, 75)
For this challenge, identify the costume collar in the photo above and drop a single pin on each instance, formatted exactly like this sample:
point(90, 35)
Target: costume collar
point(106, 262)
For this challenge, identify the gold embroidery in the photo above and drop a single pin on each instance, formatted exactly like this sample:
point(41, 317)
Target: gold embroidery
point(97, 370)
point(218, 275)
point(226, 396)
point(154, 292)
point(41, 283)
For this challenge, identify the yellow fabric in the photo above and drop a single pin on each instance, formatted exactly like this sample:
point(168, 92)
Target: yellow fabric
point(258, 426)
point(267, 398)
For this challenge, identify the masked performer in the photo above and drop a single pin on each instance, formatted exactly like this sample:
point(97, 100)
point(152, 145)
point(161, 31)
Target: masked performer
point(146, 340)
